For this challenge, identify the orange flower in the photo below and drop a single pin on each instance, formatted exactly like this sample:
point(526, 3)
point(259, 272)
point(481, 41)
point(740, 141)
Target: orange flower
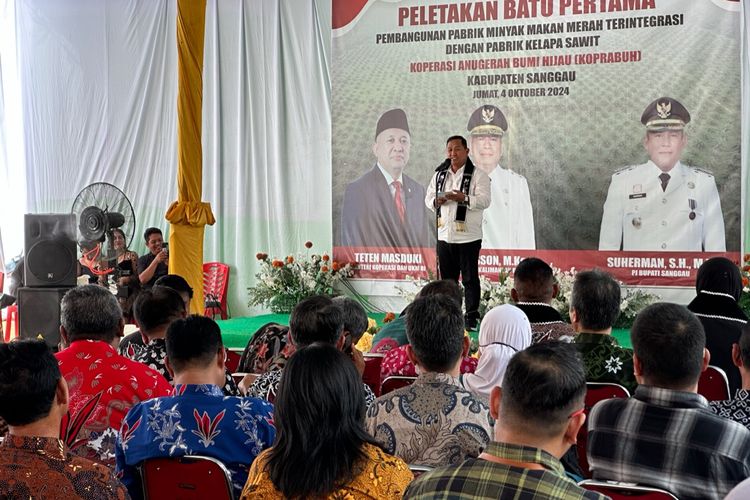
point(289, 259)
point(277, 263)
point(261, 256)
point(389, 316)
point(308, 244)
point(746, 268)
point(335, 266)
point(746, 257)
point(745, 281)
point(324, 269)
point(325, 257)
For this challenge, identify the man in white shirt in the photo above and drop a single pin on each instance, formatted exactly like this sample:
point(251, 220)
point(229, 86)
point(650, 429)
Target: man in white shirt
point(459, 193)
point(509, 222)
point(663, 205)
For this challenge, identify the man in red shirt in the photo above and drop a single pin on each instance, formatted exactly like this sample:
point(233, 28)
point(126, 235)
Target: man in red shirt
point(103, 385)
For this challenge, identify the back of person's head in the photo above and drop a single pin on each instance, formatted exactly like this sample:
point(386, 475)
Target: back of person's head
point(719, 275)
point(157, 307)
point(354, 315)
point(193, 342)
point(316, 319)
point(90, 312)
point(668, 340)
point(177, 283)
point(319, 416)
point(543, 385)
point(534, 280)
point(449, 288)
point(744, 343)
point(595, 299)
point(29, 375)
point(435, 330)
point(148, 232)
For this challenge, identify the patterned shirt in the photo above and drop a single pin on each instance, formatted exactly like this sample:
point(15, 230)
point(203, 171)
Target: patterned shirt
point(670, 440)
point(103, 385)
point(153, 356)
point(476, 478)
point(381, 476)
point(434, 421)
point(605, 360)
point(396, 362)
point(267, 385)
point(44, 468)
point(196, 420)
point(546, 323)
point(737, 409)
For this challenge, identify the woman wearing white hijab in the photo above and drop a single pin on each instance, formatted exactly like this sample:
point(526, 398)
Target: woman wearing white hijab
point(504, 331)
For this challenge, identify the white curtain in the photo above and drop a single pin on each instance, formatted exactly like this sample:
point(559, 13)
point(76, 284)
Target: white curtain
point(97, 102)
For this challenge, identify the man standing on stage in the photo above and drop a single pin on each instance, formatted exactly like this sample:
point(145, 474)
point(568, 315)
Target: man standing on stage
point(459, 193)
point(509, 222)
point(663, 204)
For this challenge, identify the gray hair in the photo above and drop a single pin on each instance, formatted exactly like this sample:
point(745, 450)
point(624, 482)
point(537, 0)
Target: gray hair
point(90, 312)
point(355, 317)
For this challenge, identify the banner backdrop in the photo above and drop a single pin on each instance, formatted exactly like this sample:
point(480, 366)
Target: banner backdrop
point(553, 97)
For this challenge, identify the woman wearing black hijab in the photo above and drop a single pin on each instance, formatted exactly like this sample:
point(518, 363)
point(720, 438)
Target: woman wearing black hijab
point(719, 285)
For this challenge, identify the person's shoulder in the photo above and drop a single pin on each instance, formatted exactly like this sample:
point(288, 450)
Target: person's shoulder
point(699, 171)
point(411, 183)
point(97, 476)
point(628, 170)
point(367, 177)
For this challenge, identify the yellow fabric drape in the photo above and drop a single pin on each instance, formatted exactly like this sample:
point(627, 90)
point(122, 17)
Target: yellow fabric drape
point(189, 215)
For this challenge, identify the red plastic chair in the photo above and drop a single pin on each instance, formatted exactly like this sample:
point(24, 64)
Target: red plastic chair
point(215, 282)
point(595, 392)
point(186, 478)
point(395, 382)
point(626, 491)
point(371, 375)
point(233, 360)
point(713, 384)
point(11, 320)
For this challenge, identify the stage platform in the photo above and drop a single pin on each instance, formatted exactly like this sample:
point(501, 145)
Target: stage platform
point(236, 332)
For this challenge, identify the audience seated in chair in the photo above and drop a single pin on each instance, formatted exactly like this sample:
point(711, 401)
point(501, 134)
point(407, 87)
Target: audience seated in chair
point(594, 307)
point(155, 310)
point(198, 419)
point(314, 319)
point(718, 287)
point(538, 411)
point(505, 330)
point(103, 385)
point(131, 345)
point(665, 434)
point(268, 349)
point(396, 362)
point(34, 462)
point(738, 408)
point(322, 449)
point(533, 290)
point(434, 421)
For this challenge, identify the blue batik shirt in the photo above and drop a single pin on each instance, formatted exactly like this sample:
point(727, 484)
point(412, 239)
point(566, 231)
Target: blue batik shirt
point(195, 420)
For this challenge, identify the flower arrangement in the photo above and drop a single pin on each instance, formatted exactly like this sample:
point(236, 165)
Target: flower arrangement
point(744, 301)
point(282, 283)
point(497, 293)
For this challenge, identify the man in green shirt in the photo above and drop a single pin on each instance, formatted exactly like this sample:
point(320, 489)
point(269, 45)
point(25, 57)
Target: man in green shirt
point(594, 307)
point(537, 412)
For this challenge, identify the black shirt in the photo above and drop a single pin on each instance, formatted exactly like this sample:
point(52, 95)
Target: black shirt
point(161, 270)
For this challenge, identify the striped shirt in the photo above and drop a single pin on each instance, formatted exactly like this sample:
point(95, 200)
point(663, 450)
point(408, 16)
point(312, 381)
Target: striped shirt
point(670, 440)
point(476, 478)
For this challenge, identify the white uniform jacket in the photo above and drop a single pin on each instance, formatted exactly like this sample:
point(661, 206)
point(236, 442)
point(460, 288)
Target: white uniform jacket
point(508, 222)
point(638, 215)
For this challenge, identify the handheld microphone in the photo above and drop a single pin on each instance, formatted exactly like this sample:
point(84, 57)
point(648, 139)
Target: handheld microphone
point(444, 165)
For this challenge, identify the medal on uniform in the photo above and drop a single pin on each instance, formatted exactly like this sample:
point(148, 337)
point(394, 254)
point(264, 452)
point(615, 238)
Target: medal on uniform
point(637, 222)
point(691, 185)
point(692, 205)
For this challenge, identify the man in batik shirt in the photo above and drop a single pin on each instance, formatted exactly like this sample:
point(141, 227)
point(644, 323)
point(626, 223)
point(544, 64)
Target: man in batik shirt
point(197, 419)
point(594, 307)
point(103, 385)
point(34, 461)
point(738, 408)
point(434, 421)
